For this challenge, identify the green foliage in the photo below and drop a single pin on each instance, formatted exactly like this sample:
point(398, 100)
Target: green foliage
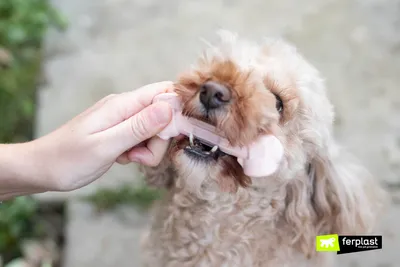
point(141, 197)
point(17, 222)
point(23, 25)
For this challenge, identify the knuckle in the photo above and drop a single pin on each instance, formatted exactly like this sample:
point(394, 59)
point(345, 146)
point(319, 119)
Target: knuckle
point(111, 99)
point(108, 97)
point(111, 95)
point(105, 100)
point(154, 163)
point(139, 126)
point(155, 159)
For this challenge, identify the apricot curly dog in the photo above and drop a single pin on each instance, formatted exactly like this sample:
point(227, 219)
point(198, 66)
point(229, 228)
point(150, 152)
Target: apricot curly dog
point(213, 214)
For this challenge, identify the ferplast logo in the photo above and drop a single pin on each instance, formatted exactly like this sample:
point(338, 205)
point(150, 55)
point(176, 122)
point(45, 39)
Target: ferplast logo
point(347, 244)
point(327, 243)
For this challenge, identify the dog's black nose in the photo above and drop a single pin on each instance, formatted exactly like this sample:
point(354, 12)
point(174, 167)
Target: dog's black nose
point(214, 95)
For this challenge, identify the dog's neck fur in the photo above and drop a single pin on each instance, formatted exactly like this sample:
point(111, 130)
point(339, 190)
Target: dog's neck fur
point(245, 221)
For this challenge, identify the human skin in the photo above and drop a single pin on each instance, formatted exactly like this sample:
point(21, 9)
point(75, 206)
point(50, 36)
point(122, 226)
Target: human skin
point(119, 128)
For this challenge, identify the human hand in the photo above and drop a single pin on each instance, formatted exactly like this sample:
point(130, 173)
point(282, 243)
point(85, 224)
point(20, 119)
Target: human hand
point(118, 128)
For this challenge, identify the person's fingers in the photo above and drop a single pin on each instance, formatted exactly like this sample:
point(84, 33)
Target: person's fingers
point(150, 155)
point(123, 158)
point(120, 107)
point(143, 96)
point(140, 127)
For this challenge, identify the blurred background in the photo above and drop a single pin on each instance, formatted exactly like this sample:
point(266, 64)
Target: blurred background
point(59, 57)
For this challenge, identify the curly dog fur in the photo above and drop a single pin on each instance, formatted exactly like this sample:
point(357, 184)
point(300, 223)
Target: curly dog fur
point(213, 215)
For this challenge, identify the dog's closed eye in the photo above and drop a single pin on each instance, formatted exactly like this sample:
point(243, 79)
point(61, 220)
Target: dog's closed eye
point(279, 103)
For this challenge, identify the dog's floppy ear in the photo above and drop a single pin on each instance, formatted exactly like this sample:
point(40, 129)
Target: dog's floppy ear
point(336, 195)
point(345, 197)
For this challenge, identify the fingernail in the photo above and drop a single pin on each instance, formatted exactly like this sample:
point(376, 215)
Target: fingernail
point(161, 113)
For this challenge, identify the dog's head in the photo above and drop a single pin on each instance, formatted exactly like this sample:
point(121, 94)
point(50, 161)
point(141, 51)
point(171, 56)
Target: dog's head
point(248, 90)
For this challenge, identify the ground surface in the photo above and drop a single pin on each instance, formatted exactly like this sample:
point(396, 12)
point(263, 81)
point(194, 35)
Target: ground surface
point(115, 46)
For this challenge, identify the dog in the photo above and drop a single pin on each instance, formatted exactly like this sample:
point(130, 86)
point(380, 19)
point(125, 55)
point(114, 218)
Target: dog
point(212, 213)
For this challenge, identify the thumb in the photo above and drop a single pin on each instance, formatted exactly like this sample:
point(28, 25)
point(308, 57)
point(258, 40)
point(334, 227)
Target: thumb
point(138, 128)
point(149, 122)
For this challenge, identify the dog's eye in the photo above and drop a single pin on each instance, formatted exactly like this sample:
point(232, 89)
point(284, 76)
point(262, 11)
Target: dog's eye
point(279, 104)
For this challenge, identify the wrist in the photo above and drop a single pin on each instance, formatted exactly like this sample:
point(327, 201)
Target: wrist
point(22, 171)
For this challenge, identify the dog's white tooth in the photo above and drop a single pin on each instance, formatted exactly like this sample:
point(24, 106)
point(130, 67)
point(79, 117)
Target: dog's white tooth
point(214, 149)
point(191, 138)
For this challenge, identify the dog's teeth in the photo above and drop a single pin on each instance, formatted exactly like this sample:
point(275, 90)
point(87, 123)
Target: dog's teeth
point(191, 138)
point(214, 149)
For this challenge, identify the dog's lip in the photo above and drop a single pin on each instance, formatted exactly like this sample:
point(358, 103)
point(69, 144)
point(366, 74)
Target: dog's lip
point(180, 137)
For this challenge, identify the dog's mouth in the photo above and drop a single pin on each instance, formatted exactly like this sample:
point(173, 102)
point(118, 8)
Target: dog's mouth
point(201, 150)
